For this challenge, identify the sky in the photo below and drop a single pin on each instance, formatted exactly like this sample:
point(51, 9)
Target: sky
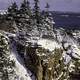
point(55, 5)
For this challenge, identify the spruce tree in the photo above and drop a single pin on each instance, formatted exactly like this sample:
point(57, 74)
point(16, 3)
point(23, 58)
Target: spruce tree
point(47, 22)
point(25, 16)
point(6, 65)
point(36, 9)
point(13, 10)
point(74, 70)
point(47, 9)
point(25, 8)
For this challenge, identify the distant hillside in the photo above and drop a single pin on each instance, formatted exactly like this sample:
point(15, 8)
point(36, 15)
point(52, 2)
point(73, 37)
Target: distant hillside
point(66, 19)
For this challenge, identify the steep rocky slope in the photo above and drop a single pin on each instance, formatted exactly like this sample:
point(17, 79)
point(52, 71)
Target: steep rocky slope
point(56, 58)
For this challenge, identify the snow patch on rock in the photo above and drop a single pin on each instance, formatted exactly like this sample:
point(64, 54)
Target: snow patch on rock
point(49, 44)
point(21, 71)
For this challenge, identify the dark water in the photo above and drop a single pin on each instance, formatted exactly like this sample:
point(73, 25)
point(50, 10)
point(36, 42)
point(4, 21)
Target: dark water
point(67, 20)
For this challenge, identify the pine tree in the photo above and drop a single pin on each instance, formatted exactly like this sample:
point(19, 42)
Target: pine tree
point(36, 9)
point(47, 9)
point(13, 10)
point(48, 22)
point(75, 70)
point(24, 17)
point(6, 65)
point(25, 8)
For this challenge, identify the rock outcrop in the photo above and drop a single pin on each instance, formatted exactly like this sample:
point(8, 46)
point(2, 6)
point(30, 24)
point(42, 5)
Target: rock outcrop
point(44, 63)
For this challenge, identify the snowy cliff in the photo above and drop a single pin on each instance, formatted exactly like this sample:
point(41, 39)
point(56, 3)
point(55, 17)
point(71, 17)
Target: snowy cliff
point(61, 51)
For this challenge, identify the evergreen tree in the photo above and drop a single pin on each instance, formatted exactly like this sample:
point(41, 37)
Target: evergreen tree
point(25, 8)
point(75, 70)
point(47, 9)
point(36, 9)
point(48, 22)
point(6, 65)
point(13, 10)
point(25, 17)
